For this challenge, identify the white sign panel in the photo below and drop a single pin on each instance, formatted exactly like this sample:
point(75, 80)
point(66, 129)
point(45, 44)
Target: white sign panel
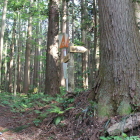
point(65, 70)
point(78, 49)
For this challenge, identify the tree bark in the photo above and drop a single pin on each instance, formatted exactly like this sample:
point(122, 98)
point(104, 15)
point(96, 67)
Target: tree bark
point(11, 58)
point(18, 58)
point(2, 35)
point(27, 55)
point(120, 59)
point(36, 58)
point(137, 14)
point(84, 41)
point(52, 58)
point(93, 63)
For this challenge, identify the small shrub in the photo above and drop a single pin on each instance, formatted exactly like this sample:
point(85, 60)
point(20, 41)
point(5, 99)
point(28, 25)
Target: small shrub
point(122, 137)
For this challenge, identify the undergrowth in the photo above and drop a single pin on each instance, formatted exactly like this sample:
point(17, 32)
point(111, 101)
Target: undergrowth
point(36, 103)
point(122, 137)
point(43, 105)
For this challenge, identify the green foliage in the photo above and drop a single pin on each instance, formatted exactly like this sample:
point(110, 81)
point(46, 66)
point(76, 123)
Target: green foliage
point(58, 119)
point(5, 130)
point(122, 137)
point(39, 10)
point(14, 5)
point(55, 109)
point(78, 42)
point(92, 108)
point(20, 128)
point(37, 122)
point(78, 89)
point(62, 90)
point(136, 1)
point(22, 102)
point(33, 102)
point(89, 110)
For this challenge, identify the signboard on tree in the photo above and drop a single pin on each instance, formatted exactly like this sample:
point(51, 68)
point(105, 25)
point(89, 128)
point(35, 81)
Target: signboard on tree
point(78, 49)
point(63, 41)
point(66, 58)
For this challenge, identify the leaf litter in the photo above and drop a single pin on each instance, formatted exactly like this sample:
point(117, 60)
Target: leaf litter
point(77, 123)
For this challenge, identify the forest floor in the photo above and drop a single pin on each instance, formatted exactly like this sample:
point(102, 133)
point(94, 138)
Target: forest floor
point(78, 123)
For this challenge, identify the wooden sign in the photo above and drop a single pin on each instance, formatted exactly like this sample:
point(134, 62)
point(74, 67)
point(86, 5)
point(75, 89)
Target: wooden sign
point(78, 49)
point(66, 40)
point(66, 58)
point(63, 41)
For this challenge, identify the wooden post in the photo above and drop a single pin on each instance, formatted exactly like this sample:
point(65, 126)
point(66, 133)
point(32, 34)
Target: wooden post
point(69, 71)
point(71, 85)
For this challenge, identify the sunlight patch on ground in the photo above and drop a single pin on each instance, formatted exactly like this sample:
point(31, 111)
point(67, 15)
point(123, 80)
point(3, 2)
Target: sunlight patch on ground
point(6, 134)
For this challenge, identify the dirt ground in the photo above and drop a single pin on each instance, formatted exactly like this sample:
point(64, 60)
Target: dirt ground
point(11, 123)
point(78, 124)
point(8, 122)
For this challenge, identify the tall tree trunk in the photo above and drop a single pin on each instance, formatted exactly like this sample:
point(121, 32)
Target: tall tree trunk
point(72, 22)
point(27, 55)
point(67, 18)
point(37, 49)
point(17, 43)
point(2, 35)
point(64, 16)
point(118, 80)
point(5, 80)
point(18, 58)
point(41, 65)
point(137, 14)
point(11, 58)
point(84, 41)
point(36, 58)
point(93, 62)
point(63, 30)
point(20, 63)
point(52, 58)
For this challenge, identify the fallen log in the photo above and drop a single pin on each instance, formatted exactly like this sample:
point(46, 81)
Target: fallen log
point(128, 123)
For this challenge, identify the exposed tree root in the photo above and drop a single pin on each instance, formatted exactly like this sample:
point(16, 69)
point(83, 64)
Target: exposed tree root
point(126, 124)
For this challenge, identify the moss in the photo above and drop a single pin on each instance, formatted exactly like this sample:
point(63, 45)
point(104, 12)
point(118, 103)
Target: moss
point(105, 108)
point(124, 108)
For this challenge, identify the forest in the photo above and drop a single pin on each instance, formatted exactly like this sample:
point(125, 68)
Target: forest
point(69, 70)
